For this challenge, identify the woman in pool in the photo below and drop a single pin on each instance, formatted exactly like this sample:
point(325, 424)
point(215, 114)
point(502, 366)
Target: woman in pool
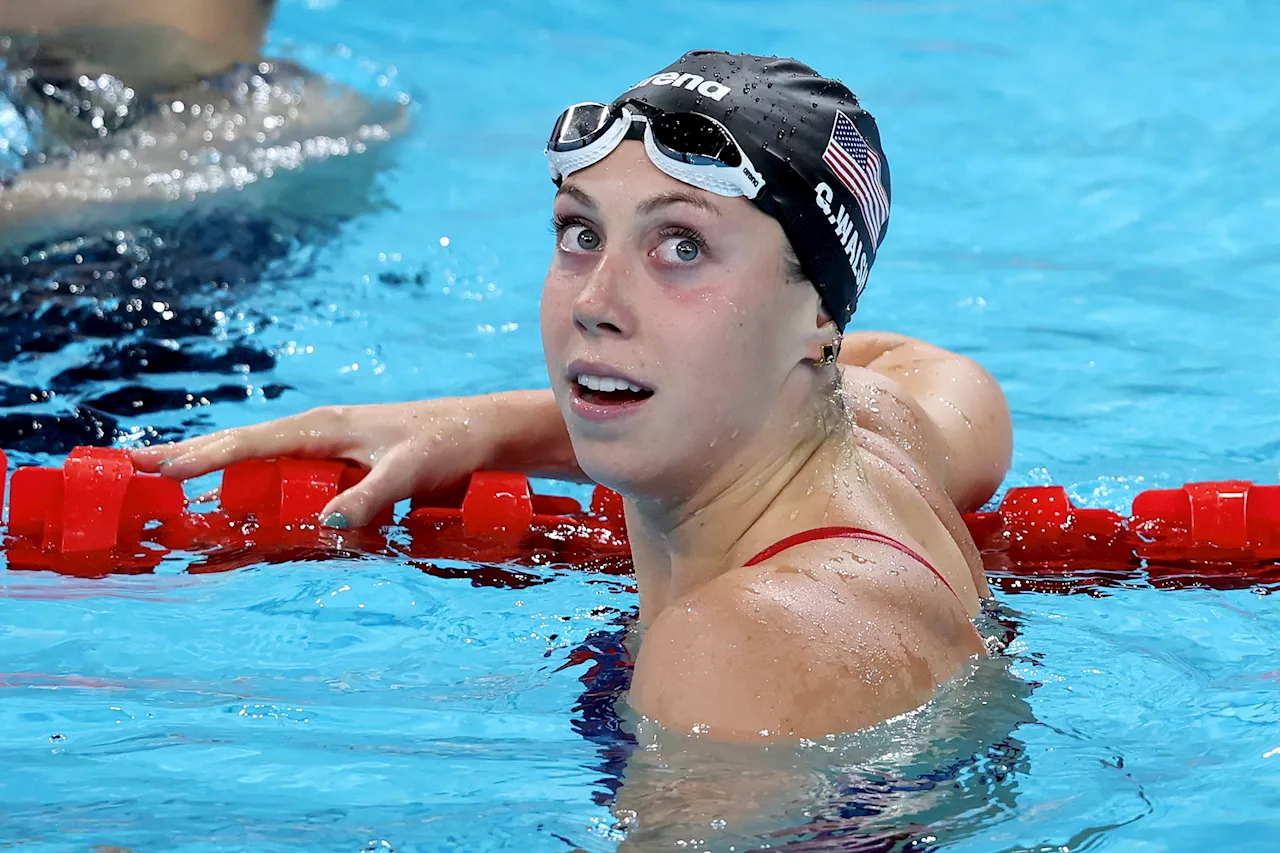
point(793, 493)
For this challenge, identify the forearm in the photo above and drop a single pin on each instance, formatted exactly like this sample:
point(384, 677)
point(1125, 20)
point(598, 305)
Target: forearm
point(530, 436)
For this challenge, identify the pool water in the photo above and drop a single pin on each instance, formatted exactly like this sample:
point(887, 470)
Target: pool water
point(1085, 199)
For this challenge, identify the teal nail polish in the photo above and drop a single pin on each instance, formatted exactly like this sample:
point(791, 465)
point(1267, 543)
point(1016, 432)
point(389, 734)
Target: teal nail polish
point(336, 520)
point(163, 462)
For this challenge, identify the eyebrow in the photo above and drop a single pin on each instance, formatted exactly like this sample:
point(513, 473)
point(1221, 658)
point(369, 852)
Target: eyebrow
point(657, 202)
point(650, 205)
point(577, 194)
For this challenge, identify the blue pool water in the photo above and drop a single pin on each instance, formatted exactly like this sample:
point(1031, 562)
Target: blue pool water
point(1086, 199)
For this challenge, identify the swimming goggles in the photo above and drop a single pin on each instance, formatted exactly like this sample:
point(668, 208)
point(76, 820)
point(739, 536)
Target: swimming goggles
point(690, 147)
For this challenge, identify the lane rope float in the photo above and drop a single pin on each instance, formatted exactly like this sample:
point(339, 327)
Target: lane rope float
point(98, 515)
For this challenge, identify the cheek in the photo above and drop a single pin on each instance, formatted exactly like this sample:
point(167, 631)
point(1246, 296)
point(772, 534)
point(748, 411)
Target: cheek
point(556, 312)
point(719, 349)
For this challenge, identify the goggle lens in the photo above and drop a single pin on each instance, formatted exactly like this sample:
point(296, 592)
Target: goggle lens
point(580, 125)
point(695, 139)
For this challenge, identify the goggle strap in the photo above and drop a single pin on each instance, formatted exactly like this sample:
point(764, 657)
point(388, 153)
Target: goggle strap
point(747, 181)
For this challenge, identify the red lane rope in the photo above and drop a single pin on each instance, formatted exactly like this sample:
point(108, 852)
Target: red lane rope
point(98, 515)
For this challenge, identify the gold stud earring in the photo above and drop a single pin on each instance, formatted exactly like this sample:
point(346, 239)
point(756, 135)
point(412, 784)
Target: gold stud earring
point(830, 352)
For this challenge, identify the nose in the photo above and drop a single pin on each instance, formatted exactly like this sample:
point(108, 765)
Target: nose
point(603, 306)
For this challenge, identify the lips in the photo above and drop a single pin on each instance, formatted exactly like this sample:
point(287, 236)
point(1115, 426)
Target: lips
point(601, 392)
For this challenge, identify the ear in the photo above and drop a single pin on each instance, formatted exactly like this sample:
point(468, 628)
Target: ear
point(823, 345)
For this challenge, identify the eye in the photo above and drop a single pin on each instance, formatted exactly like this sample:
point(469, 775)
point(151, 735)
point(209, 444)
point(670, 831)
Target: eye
point(576, 237)
point(678, 250)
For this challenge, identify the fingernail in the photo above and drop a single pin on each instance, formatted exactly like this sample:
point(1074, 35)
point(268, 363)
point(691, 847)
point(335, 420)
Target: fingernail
point(163, 462)
point(336, 520)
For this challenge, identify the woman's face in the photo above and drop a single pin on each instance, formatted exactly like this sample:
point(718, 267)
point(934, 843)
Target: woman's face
point(668, 324)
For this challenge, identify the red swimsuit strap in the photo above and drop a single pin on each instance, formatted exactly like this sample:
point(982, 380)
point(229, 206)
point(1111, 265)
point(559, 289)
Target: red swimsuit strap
point(844, 533)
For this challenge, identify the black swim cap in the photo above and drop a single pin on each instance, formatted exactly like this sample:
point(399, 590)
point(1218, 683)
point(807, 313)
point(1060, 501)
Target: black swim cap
point(826, 177)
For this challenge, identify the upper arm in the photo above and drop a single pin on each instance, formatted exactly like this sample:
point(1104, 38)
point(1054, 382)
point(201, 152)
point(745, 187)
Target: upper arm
point(958, 422)
point(771, 652)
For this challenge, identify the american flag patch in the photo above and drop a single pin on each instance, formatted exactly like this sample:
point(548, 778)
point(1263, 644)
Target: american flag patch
point(858, 168)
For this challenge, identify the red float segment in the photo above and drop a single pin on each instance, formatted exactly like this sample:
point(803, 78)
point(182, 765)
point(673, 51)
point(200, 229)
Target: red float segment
point(95, 503)
point(497, 505)
point(500, 518)
point(35, 503)
point(96, 509)
point(94, 483)
point(1220, 522)
point(287, 491)
point(1037, 528)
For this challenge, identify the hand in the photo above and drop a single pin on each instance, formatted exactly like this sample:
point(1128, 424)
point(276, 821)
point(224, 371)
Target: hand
point(410, 448)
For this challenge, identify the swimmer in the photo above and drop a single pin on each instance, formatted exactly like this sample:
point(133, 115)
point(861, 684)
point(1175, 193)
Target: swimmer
point(793, 492)
point(135, 109)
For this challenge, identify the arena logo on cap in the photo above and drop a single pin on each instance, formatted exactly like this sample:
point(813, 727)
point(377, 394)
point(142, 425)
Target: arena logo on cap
point(846, 233)
point(693, 82)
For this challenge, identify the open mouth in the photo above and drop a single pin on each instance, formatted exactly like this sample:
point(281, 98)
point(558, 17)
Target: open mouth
point(608, 390)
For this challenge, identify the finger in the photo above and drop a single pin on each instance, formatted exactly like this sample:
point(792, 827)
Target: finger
point(209, 496)
point(150, 458)
point(299, 436)
point(391, 480)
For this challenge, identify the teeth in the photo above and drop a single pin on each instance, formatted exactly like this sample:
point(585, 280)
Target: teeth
point(606, 383)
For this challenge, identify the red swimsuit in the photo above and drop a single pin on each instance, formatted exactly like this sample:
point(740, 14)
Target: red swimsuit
point(844, 533)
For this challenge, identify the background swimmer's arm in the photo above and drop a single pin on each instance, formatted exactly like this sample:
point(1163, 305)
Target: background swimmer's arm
point(952, 415)
point(164, 166)
point(73, 199)
point(151, 44)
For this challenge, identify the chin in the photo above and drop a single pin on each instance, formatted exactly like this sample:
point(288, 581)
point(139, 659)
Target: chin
point(648, 472)
point(625, 470)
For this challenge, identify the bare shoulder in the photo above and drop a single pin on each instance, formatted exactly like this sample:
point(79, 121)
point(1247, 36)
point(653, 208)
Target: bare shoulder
point(784, 649)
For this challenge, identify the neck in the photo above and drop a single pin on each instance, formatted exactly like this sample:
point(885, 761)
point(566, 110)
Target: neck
point(679, 545)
